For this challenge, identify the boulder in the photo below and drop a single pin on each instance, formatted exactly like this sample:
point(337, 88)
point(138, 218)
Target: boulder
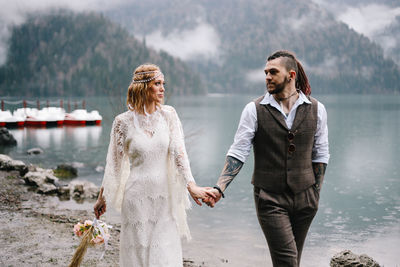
point(51, 178)
point(34, 178)
point(45, 181)
point(8, 164)
point(34, 151)
point(83, 189)
point(47, 189)
point(66, 171)
point(347, 258)
point(6, 138)
point(64, 190)
point(40, 176)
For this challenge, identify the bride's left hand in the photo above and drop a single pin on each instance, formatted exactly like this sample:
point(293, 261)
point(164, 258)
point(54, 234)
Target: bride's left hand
point(198, 192)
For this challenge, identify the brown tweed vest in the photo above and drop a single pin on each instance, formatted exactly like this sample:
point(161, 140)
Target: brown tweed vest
point(282, 156)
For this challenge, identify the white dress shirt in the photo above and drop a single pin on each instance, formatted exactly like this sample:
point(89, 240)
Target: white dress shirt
point(241, 147)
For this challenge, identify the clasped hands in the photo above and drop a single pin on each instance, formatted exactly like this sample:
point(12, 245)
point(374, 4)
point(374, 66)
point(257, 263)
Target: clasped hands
point(208, 195)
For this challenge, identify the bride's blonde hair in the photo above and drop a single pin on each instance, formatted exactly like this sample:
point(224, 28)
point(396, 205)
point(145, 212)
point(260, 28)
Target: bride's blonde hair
point(138, 92)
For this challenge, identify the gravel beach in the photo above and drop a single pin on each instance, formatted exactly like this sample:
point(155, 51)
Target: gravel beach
point(37, 229)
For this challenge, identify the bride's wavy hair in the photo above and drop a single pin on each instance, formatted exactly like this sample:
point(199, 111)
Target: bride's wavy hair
point(138, 91)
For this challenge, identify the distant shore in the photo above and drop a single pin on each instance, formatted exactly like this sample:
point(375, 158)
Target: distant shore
point(36, 230)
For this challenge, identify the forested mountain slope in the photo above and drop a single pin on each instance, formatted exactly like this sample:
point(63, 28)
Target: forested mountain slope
point(67, 54)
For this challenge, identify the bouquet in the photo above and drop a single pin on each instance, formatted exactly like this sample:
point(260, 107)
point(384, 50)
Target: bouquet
point(93, 233)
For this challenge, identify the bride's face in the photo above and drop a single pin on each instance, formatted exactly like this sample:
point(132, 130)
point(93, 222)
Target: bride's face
point(157, 90)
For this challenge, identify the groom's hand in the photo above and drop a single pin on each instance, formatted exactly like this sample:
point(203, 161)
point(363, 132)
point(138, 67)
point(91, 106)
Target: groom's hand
point(198, 192)
point(213, 196)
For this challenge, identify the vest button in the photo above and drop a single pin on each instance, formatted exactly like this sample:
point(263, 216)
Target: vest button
point(292, 148)
point(290, 136)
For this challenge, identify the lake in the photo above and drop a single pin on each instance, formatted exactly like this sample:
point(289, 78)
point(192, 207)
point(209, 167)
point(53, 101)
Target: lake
point(360, 198)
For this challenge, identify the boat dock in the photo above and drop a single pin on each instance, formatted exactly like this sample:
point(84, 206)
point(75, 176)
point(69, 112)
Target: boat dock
point(47, 116)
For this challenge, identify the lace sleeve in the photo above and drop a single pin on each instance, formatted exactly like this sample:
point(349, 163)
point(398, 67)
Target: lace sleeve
point(117, 165)
point(178, 148)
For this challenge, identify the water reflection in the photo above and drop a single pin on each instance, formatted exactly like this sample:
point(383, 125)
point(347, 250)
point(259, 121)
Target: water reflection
point(57, 137)
point(84, 137)
point(82, 146)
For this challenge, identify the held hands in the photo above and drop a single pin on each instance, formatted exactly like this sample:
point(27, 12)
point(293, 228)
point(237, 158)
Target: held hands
point(211, 200)
point(100, 206)
point(208, 195)
point(198, 192)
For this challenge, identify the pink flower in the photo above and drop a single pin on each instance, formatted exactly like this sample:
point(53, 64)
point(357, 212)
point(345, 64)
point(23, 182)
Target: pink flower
point(78, 229)
point(88, 223)
point(97, 240)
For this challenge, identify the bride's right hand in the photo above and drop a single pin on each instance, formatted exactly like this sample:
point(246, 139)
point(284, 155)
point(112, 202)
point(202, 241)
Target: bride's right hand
point(100, 206)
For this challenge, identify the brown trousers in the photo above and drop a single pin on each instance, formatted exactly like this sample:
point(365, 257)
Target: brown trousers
point(285, 219)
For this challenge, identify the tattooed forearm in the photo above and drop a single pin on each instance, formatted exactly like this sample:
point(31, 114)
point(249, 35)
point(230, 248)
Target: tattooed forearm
point(319, 173)
point(231, 169)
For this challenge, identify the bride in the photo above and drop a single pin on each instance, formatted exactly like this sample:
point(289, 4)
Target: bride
point(147, 176)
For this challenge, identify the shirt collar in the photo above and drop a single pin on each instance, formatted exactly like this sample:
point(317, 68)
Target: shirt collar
point(270, 100)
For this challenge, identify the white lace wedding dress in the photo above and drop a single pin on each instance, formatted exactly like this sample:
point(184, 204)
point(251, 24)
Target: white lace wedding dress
point(145, 178)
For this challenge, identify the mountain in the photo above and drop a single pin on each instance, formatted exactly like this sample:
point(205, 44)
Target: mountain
point(336, 58)
point(67, 54)
point(379, 20)
point(392, 35)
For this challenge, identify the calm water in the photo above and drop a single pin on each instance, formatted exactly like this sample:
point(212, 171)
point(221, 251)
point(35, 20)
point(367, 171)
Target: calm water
point(360, 199)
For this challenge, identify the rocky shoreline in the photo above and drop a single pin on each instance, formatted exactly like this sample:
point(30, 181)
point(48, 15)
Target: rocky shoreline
point(35, 230)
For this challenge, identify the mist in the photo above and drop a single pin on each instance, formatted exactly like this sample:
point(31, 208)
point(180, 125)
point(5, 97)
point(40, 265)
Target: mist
point(256, 75)
point(371, 19)
point(202, 42)
point(14, 13)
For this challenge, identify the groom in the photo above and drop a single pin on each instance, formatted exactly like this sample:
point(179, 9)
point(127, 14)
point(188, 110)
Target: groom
point(288, 131)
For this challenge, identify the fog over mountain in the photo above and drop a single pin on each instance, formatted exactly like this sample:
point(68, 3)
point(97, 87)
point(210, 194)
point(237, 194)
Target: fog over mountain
point(16, 12)
point(346, 46)
point(240, 34)
point(82, 54)
point(378, 20)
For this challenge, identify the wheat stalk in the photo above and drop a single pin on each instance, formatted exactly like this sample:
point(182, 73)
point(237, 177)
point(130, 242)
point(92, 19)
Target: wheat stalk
point(81, 250)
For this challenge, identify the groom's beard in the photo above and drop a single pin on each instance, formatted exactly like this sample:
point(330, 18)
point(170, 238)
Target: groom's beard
point(279, 87)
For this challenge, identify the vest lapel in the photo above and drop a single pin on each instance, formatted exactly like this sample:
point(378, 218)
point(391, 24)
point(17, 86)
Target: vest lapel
point(277, 115)
point(301, 113)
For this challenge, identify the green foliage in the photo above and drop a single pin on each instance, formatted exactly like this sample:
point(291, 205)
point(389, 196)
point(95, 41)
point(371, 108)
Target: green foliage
point(65, 171)
point(63, 174)
point(68, 54)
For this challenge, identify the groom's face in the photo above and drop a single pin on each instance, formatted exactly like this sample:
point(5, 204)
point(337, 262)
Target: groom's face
point(277, 77)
